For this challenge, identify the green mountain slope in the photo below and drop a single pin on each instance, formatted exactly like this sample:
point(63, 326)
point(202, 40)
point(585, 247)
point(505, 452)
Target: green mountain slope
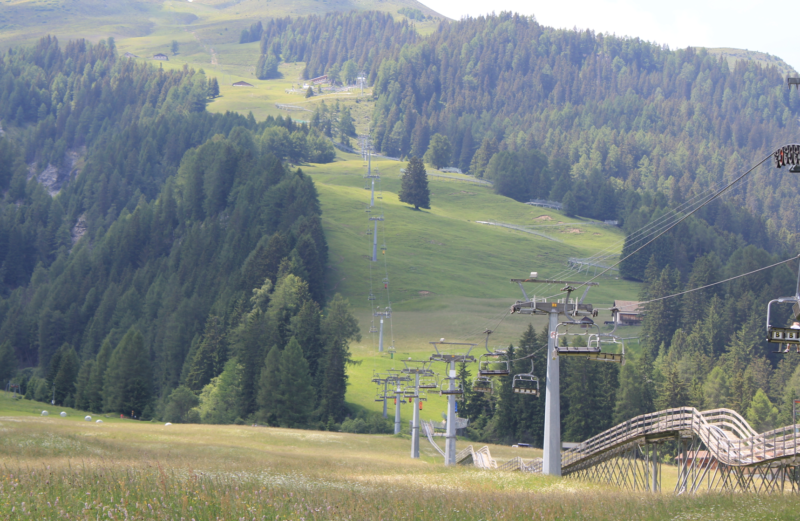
point(215, 22)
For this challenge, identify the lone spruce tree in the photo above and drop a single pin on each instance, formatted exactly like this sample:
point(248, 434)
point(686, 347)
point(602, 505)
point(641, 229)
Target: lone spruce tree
point(414, 189)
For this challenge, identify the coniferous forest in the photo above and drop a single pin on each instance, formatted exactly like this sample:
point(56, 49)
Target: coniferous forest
point(179, 271)
point(182, 260)
point(615, 129)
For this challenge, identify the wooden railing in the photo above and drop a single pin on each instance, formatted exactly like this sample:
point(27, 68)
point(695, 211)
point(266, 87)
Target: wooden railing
point(726, 435)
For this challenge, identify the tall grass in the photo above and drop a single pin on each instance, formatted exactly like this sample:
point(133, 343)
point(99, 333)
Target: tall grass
point(55, 468)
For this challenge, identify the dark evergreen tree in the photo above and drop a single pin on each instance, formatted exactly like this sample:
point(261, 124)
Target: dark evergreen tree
point(269, 387)
point(127, 386)
point(66, 376)
point(414, 189)
point(94, 390)
point(210, 357)
point(339, 327)
point(296, 391)
point(8, 363)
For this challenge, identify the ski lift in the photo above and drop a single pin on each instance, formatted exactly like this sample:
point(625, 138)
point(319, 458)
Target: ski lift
point(385, 283)
point(373, 329)
point(577, 350)
point(483, 384)
point(369, 231)
point(383, 248)
point(428, 382)
point(597, 341)
point(526, 383)
point(490, 367)
point(391, 348)
point(445, 390)
point(371, 296)
point(784, 335)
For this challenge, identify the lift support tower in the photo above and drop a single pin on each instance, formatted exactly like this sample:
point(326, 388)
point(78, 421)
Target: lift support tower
point(552, 405)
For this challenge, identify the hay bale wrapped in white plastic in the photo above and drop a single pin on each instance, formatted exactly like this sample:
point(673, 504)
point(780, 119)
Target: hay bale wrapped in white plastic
point(45, 413)
point(63, 414)
point(88, 418)
point(99, 421)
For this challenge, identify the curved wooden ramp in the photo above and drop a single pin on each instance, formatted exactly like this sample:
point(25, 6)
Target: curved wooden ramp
point(718, 450)
point(481, 458)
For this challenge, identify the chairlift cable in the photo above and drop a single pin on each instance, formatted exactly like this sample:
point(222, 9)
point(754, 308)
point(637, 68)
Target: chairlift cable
point(686, 216)
point(722, 281)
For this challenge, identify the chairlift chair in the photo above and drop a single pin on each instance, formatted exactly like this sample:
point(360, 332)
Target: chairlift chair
point(784, 335)
point(428, 382)
point(483, 384)
point(524, 383)
point(373, 329)
point(562, 329)
point(371, 297)
point(445, 390)
point(487, 366)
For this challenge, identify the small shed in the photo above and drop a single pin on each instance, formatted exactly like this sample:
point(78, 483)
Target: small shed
point(161, 56)
point(628, 312)
point(129, 55)
point(242, 84)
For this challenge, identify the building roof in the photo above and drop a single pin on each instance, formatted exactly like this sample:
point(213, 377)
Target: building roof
point(700, 454)
point(242, 84)
point(628, 306)
point(161, 56)
point(130, 55)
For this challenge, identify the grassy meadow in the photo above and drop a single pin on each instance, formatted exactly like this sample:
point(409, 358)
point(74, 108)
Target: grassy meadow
point(66, 468)
point(449, 276)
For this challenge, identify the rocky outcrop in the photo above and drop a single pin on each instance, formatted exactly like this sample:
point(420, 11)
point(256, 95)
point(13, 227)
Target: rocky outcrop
point(54, 178)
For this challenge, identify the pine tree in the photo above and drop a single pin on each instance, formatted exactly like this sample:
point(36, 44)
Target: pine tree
point(338, 328)
point(213, 88)
point(414, 188)
point(269, 387)
point(306, 328)
point(636, 392)
point(210, 356)
point(480, 160)
point(64, 381)
point(94, 391)
point(346, 126)
point(82, 386)
point(507, 421)
point(128, 379)
point(8, 363)
point(672, 391)
point(296, 391)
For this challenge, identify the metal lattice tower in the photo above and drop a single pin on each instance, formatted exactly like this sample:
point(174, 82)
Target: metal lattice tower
point(552, 407)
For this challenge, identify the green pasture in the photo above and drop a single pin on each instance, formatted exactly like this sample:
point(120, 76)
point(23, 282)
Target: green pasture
point(65, 468)
point(449, 277)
